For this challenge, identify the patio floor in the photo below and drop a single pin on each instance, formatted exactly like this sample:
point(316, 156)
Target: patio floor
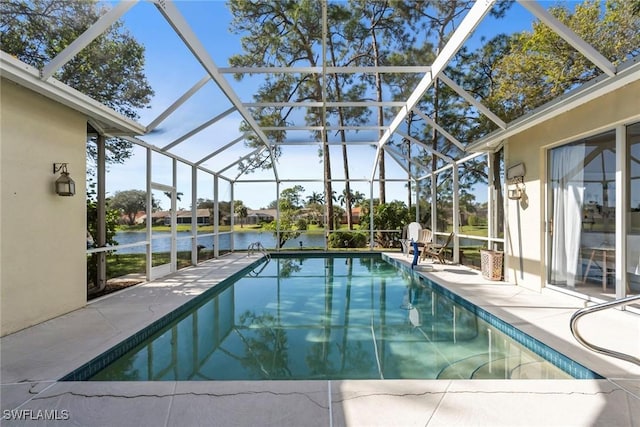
point(33, 359)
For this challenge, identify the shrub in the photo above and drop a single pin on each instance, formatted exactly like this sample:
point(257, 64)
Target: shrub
point(345, 239)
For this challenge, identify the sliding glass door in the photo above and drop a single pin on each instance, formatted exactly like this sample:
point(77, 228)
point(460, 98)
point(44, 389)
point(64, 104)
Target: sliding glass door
point(582, 214)
point(633, 202)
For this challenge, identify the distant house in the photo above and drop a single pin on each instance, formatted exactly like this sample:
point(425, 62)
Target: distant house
point(255, 217)
point(355, 215)
point(182, 217)
point(157, 218)
point(203, 217)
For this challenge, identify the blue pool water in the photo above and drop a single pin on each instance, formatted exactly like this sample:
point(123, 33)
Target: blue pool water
point(330, 317)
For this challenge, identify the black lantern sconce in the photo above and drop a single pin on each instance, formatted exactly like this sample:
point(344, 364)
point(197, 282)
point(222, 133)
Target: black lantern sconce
point(64, 184)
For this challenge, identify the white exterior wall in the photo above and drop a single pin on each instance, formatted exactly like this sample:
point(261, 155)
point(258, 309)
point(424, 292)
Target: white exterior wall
point(42, 235)
point(525, 247)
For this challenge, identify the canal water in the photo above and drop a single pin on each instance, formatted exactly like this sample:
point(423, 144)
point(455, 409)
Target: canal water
point(241, 241)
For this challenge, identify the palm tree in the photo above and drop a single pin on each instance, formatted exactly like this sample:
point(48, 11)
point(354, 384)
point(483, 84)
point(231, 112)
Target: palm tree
point(317, 198)
point(357, 198)
point(241, 210)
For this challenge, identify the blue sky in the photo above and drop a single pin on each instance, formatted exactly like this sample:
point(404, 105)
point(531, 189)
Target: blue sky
point(172, 70)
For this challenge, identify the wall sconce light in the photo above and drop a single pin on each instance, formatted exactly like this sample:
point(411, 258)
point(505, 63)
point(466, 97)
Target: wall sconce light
point(64, 184)
point(515, 176)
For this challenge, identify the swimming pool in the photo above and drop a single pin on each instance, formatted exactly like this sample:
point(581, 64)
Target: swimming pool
point(329, 317)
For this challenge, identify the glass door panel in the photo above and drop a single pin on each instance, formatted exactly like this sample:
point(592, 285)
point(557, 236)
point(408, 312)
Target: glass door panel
point(582, 215)
point(163, 233)
point(633, 225)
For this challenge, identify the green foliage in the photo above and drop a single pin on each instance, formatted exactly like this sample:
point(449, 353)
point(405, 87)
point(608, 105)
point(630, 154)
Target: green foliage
point(302, 224)
point(242, 211)
point(265, 353)
point(315, 213)
point(288, 34)
point(387, 216)
point(472, 220)
point(338, 214)
point(541, 66)
point(288, 228)
point(112, 218)
point(291, 198)
point(129, 203)
point(290, 221)
point(347, 239)
point(315, 199)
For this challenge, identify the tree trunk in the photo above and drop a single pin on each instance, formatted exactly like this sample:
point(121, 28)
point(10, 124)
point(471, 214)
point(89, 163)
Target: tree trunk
point(381, 166)
point(343, 138)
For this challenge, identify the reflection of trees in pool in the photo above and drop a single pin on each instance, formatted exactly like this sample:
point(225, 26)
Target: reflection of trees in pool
point(121, 370)
point(288, 266)
point(352, 355)
point(266, 352)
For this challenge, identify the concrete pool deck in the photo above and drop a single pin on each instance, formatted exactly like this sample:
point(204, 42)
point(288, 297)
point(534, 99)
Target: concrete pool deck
point(34, 359)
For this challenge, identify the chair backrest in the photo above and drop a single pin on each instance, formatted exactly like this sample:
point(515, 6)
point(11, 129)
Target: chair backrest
point(447, 242)
point(425, 236)
point(413, 231)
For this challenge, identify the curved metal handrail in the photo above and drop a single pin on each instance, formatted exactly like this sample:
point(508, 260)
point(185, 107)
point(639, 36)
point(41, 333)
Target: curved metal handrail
point(599, 307)
point(258, 247)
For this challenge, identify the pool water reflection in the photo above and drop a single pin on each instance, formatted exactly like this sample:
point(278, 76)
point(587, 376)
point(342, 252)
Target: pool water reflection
point(328, 318)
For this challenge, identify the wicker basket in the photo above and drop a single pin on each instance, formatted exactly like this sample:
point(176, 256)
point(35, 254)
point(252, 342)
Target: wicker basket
point(491, 264)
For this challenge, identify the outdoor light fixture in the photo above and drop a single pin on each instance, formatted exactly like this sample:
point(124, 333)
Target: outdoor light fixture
point(515, 176)
point(64, 184)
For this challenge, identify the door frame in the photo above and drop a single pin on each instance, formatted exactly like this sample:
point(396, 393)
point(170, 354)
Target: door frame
point(156, 272)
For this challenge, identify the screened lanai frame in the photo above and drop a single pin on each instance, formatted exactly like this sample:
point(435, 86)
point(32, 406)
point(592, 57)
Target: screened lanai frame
point(110, 124)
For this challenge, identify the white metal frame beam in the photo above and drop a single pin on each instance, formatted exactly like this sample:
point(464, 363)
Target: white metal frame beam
point(94, 31)
point(329, 128)
point(246, 168)
point(401, 69)
point(198, 129)
point(404, 158)
point(397, 158)
point(477, 12)
point(257, 151)
point(220, 150)
point(320, 104)
point(173, 107)
point(426, 147)
point(440, 129)
point(568, 102)
point(569, 36)
point(321, 142)
point(173, 16)
point(471, 100)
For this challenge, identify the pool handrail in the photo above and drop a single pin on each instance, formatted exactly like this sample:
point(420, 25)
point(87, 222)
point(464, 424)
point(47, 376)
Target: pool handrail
point(573, 324)
point(258, 247)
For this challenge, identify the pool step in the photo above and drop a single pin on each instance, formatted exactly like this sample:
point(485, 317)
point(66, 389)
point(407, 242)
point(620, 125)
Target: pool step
point(477, 367)
point(463, 368)
point(500, 367)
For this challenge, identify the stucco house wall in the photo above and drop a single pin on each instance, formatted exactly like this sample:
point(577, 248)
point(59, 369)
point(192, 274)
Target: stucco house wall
point(525, 248)
point(42, 235)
